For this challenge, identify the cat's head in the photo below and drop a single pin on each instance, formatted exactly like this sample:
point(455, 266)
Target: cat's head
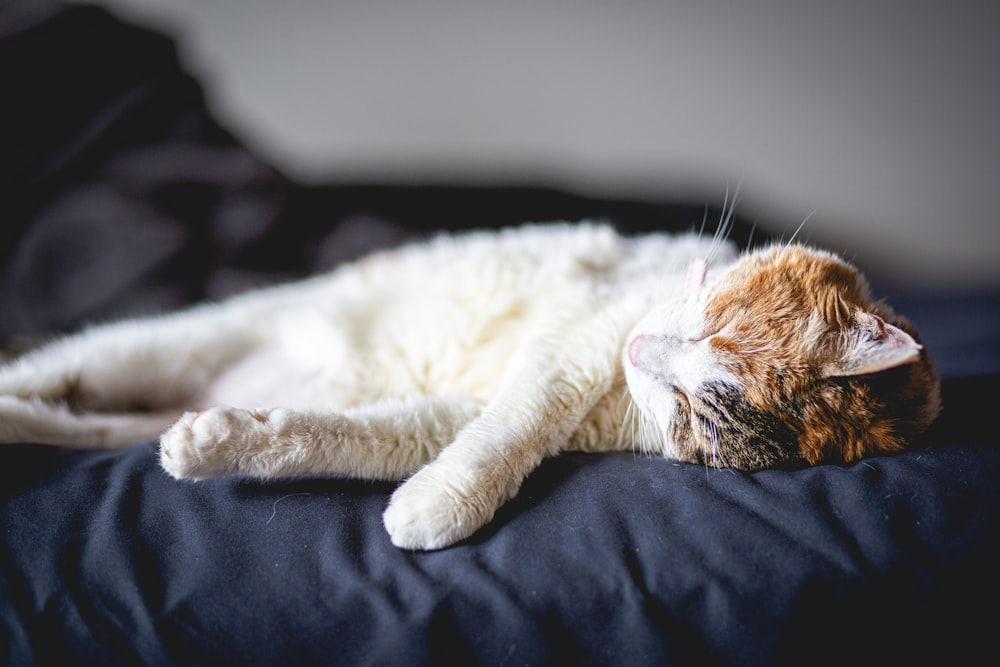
point(783, 360)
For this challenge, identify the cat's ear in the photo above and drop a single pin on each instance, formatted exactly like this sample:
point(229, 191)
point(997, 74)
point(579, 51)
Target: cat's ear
point(873, 345)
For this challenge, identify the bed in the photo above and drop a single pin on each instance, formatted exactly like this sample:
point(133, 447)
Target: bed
point(122, 196)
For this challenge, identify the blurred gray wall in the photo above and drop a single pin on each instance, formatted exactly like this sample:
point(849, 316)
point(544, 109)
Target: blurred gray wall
point(877, 120)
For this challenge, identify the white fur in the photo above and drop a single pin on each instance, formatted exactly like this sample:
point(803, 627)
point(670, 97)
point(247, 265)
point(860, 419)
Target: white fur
point(460, 363)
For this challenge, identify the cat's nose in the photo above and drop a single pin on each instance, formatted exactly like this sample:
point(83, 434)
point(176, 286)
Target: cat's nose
point(635, 348)
point(649, 351)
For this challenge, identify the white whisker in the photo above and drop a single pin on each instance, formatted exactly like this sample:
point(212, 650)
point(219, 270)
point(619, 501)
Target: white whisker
point(715, 446)
point(642, 440)
point(630, 423)
point(727, 220)
point(745, 349)
point(640, 432)
point(753, 228)
point(799, 228)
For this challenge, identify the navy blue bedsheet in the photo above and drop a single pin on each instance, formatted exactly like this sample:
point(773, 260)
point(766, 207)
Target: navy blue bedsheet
point(601, 559)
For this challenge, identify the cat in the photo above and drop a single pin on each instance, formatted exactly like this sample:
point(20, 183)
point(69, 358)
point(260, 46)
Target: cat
point(458, 363)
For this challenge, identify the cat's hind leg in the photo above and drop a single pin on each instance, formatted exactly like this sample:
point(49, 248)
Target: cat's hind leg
point(36, 421)
point(111, 385)
point(146, 363)
point(387, 440)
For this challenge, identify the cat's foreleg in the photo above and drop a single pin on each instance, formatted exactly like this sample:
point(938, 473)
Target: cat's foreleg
point(534, 415)
point(387, 440)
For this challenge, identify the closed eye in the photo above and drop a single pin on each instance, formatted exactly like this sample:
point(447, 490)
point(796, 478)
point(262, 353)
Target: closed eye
point(725, 344)
point(705, 335)
point(708, 332)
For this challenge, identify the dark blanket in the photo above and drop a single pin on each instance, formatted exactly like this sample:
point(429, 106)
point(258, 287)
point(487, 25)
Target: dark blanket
point(122, 196)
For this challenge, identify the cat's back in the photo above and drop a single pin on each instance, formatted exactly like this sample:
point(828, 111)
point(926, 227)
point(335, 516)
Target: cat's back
point(550, 254)
point(529, 253)
point(519, 270)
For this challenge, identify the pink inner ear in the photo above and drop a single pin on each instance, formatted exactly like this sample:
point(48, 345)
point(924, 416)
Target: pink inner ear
point(878, 347)
point(876, 325)
point(695, 277)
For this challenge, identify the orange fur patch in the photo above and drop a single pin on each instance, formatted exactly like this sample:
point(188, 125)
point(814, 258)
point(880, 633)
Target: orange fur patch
point(779, 318)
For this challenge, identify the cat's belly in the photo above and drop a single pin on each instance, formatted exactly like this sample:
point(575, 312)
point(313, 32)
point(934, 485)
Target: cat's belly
point(267, 377)
point(340, 371)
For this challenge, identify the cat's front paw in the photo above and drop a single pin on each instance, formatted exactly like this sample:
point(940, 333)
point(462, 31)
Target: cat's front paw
point(214, 442)
point(429, 513)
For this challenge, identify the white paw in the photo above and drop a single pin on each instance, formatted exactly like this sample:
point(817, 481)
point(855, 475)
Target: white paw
point(212, 442)
point(427, 513)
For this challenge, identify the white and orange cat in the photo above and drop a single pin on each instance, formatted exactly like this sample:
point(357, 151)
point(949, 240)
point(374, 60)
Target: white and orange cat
point(458, 364)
